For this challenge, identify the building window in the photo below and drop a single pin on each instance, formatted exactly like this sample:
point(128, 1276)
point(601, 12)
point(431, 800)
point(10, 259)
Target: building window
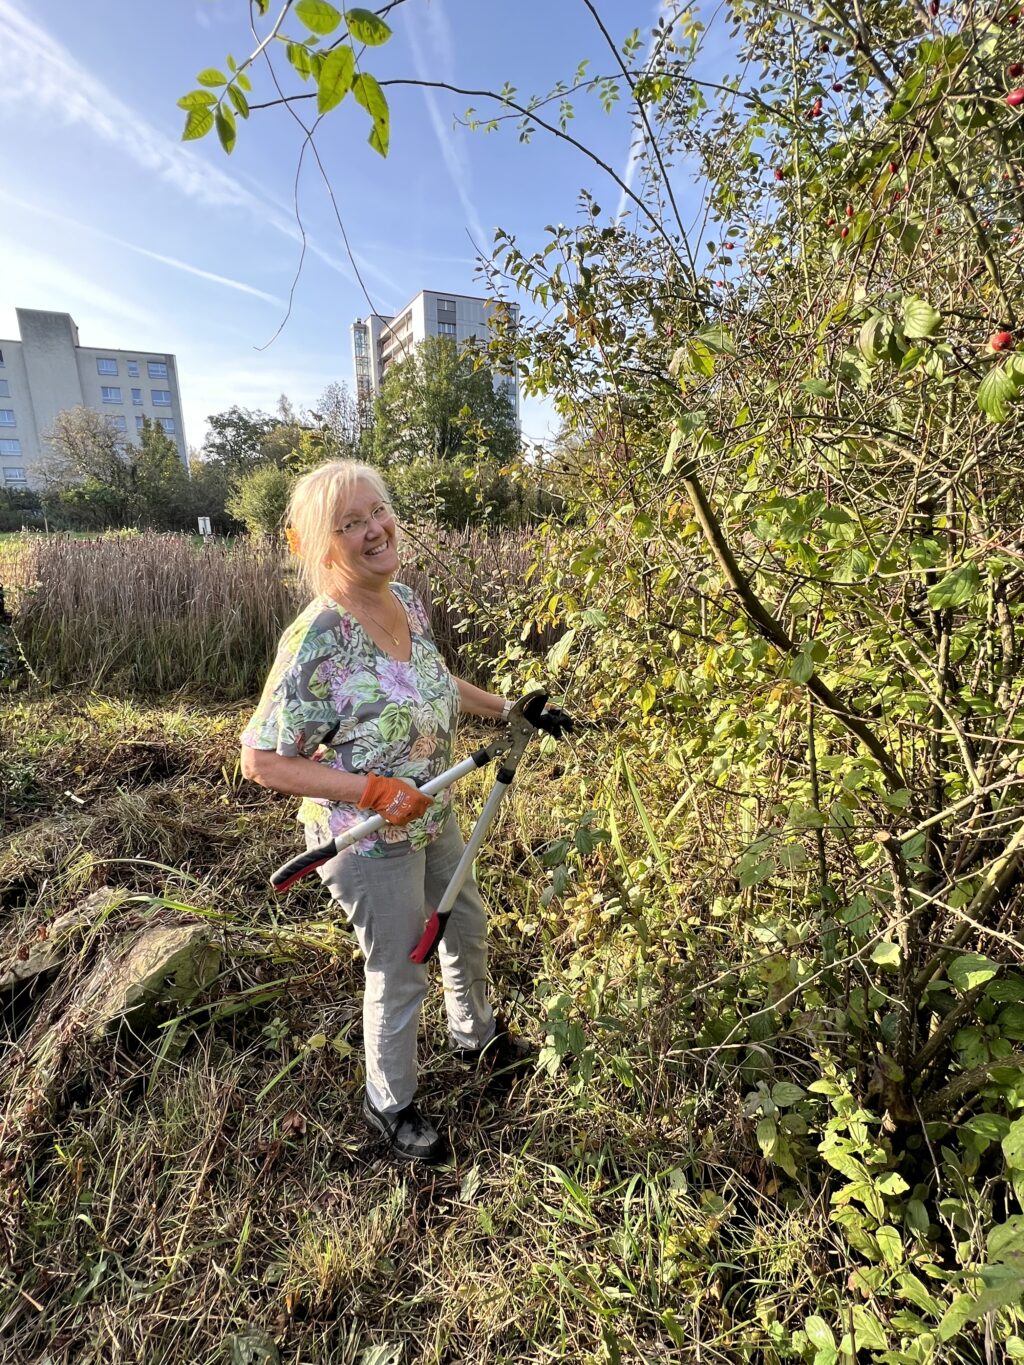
point(7, 417)
point(13, 475)
point(1, 357)
point(106, 365)
point(133, 369)
point(119, 423)
point(10, 445)
point(168, 425)
point(157, 369)
point(5, 389)
point(446, 305)
point(139, 419)
point(137, 397)
point(111, 393)
point(446, 329)
point(161, 398)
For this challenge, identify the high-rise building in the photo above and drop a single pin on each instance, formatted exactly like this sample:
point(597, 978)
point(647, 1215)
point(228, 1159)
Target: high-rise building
point(379, 340)
point(47, 370)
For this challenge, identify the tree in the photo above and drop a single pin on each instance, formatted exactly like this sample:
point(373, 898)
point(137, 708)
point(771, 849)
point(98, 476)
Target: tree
point(94, 476)
point(235, 439)
point(438, 404)
point(164, 496)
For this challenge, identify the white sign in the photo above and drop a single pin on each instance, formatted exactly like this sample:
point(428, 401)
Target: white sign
point(204, 526)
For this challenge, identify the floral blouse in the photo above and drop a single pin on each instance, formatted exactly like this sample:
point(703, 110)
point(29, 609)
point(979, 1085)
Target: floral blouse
point(331, 685)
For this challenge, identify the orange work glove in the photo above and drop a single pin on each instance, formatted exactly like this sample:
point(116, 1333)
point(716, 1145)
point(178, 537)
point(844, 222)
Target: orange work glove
point(398, 801)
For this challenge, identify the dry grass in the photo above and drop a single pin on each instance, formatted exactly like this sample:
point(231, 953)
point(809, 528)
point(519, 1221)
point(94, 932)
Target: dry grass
point(203, 1189)
point(157, 613)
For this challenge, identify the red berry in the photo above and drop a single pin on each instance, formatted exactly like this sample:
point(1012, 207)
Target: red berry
point(1015, 69)
point(779, 174)
point(849, 210)
point(1015, 97)
point(1001, 341)
point(838, 87)
point(728, 246)
point(893, 168)
point(933, 8)
point(845, 232)
point(830, 221)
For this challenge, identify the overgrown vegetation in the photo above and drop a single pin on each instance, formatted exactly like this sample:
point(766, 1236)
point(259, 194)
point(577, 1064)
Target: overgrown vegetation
point(767, 916)
point(154, 613)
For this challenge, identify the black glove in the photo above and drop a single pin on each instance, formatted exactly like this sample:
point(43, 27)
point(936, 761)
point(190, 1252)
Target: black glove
point(555, 722)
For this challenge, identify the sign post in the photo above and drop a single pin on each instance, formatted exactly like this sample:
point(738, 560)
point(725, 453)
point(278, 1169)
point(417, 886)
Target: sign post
point(204, 528)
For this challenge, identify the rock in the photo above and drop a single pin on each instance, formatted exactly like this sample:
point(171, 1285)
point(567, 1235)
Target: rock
point(163, 963)
point(47, 952)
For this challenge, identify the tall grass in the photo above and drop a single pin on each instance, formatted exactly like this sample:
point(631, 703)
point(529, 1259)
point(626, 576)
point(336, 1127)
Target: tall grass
point(158, 613)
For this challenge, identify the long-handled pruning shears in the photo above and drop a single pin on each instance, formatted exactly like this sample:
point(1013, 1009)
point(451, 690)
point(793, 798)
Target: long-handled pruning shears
point(509, 746)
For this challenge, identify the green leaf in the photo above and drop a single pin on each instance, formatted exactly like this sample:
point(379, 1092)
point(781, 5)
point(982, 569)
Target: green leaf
point(559, 652)
point(819, 1333)
point(226, 128)
point(886, 955)
point(767, 1135)
point(336, 76)
point(785, 1093)
point(197, 99)
point(198, 124)
point(211, 76)
point(238, 100)
point(990, 1127)
point(1013, 1146)
point(971, 970)
point(956, 588)
point(367, 27)
point(298, 55)
point(873, 338)
point(892, 1183)
point(819, 387)
point(995, 392)
point(318, 16)
point(869, 1331)
point(1007, 1239)
point(718, 339)
point(890, 1244)
point(369, 94)
point(919, 318)
point(802, 667)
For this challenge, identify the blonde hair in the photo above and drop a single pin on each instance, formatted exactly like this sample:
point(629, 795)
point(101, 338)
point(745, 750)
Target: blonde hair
point(317, 500)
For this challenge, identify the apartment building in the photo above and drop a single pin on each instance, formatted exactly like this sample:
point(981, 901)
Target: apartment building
point(378, 340)
point(47, 369)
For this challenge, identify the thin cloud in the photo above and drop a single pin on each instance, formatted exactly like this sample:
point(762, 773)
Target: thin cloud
point(173, 261)
point(442, 46)
point(45, 282)
point(203, 274)
point(40, 73)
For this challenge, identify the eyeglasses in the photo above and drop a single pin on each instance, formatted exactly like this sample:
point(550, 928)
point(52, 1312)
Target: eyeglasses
point(357, 526)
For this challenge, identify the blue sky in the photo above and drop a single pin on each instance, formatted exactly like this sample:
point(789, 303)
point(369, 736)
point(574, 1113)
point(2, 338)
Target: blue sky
point(162, 245)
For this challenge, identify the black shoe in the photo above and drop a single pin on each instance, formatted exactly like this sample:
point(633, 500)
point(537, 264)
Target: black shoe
point(505, 1052)
point(409, 1135)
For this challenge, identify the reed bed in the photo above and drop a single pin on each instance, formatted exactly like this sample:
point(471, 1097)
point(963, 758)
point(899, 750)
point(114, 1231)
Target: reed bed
point(158, 613)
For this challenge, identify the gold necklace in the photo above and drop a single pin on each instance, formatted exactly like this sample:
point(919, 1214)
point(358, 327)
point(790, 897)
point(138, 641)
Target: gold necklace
point(379, 624)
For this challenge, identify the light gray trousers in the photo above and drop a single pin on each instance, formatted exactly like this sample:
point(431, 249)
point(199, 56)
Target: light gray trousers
point(388, 901)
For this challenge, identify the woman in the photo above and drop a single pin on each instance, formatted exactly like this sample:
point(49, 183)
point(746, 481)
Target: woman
point(357, 676)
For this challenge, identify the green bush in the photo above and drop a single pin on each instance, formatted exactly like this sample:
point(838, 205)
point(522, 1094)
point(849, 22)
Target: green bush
point(259, 499)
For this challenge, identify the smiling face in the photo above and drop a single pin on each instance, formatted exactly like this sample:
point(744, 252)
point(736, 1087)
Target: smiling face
point(364, 546)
